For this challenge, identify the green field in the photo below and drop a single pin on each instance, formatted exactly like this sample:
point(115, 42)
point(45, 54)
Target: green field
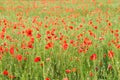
point(60, 40)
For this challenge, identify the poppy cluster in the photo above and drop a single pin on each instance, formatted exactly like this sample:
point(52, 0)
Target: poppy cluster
point(70, 40)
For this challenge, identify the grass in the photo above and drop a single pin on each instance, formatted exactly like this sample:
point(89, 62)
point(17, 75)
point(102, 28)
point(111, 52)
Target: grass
point(60, 40)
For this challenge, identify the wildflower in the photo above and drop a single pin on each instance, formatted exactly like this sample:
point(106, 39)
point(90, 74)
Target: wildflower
point(2, 35)
point(71, 27)
point(12, 50)
point(29, 32)
point(32, 40)
point(71, 41)
point(65, 78)
point(109, 67)
point(93, 57)
point(87, 42)
point(109, 24)
point(65, 45)
point(23, 46)
point(80, 50)
point(110, 54)
point(1, 49)
point(118, 46)
point(19, 57)
point(49, 45)
point(38, 35)
point(5, 72)
point(68, 71)
point(95, 27)
point(92, 34)
point(47, 79)
point(37, 59)
point(30, 45)
point(91, 74)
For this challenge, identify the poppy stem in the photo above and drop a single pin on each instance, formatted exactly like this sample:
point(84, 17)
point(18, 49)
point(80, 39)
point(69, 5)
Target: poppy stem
point(43, 71)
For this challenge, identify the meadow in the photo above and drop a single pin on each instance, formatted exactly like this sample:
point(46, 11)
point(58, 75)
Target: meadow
point(60, 40)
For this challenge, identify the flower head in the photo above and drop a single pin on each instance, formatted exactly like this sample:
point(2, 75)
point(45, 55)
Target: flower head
point(93, 57)
point(37, 59)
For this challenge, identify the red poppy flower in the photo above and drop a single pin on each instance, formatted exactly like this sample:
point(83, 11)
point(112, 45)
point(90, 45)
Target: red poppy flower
point(118, 46)
point(30, 45)
point(12, 50)
point(38, 35)
point(32, 40)
point(29, 32)
point(87, 41)
point(71, 27)
point(37, 59)
point(65, 45)
point(49, 45)
point(2, 35)
point(1, 49)
point(23, 46)
point(47, 79)
point(68, 71)
point(110, 54)
point(93, 57)
point(5, 72)
point(19, 57)
point(91, 74)
point(71, 41)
